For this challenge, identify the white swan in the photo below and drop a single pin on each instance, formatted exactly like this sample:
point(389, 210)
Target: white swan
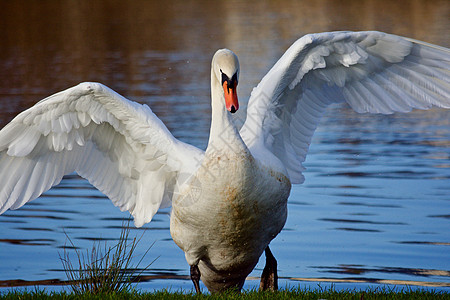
point(229, 201)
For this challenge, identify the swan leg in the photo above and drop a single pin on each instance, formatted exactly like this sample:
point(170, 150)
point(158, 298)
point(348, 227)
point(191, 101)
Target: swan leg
point(269, 277)
point(195, 277)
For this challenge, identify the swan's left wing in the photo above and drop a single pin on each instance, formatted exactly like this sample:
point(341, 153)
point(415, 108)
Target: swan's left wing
point(372, 71)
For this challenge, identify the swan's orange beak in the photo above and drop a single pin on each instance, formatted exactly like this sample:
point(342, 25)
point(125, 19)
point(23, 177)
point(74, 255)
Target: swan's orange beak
point(231, 99)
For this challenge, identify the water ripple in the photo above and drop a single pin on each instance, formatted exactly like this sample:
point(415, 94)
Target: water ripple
point(29, 242)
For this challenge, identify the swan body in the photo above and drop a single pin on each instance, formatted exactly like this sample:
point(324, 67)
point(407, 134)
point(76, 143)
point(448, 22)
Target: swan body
point(231, 224)
point(229, 201)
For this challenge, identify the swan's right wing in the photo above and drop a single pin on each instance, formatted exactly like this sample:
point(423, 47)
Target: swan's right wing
point(120, 146)
point(372, 71)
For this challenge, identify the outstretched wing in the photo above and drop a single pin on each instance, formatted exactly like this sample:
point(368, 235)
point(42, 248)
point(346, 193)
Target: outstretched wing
point(372, 71)
point(120, 146)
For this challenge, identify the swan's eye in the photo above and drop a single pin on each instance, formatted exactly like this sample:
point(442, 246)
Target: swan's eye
point(234, 78)
point(224, 77)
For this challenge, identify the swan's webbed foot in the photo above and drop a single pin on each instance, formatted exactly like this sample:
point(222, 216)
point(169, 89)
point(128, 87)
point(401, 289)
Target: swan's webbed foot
point(195, 277)
point(269, 277)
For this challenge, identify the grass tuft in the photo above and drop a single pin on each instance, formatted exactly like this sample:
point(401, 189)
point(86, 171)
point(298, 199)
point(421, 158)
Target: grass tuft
point(104, 270)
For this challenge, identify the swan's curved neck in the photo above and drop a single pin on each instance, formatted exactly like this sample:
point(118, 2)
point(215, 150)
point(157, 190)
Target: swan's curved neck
point(223, 133)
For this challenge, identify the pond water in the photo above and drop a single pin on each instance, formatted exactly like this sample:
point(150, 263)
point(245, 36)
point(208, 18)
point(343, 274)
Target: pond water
point(375, 207)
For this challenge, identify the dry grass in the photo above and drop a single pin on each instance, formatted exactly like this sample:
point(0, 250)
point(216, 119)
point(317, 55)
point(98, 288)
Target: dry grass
point(104, 269)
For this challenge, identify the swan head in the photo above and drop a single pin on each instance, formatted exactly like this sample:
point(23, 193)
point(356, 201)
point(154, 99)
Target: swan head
point(225, 66)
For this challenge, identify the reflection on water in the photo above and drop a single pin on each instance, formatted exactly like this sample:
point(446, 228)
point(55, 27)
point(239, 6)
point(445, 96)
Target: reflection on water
point(374, 207)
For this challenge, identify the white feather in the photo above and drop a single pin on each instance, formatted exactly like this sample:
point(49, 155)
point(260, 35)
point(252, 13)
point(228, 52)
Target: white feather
point(372, 71)
point(119, 146)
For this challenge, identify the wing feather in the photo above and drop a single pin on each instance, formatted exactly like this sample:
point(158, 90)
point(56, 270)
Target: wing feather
point(372, 71)
point(120, 146)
